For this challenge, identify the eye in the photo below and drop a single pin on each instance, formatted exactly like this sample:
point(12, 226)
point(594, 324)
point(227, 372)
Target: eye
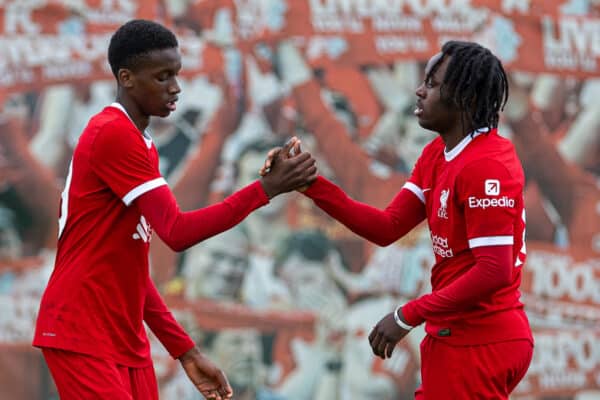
point(429, 83)
point(163, 76)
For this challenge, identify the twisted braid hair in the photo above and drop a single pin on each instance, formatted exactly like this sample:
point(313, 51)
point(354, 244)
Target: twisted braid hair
point(475, 82)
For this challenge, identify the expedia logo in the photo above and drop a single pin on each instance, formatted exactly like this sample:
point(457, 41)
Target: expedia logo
point(440, 246)
point(503, 201)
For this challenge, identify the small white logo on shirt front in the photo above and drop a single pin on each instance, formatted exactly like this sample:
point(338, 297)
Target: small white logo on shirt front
point(492, 187)
point(440, 246)
point(144, 231)
point(443, 210)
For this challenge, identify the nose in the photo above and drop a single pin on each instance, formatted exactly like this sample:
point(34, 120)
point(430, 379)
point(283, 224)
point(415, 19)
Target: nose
point(420, 92)
point(174, 87)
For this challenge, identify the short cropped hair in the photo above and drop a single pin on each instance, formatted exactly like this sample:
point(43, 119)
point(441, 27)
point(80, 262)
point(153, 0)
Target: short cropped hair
point(134, 40)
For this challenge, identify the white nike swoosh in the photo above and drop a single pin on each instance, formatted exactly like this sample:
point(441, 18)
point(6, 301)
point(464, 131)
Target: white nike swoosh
point(424, 190)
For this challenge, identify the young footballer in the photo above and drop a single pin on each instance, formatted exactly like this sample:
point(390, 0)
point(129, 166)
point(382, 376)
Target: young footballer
point(91, 319)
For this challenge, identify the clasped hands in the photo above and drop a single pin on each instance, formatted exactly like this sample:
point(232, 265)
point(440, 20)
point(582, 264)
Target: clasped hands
point(287, 168)
point(386, 334)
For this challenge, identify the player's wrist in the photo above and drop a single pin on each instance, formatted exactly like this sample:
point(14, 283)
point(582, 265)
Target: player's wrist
point(400, 321)
point(190, 354)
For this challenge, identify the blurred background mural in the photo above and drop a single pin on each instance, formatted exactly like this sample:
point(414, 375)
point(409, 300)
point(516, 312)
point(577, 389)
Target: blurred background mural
point(284, 302)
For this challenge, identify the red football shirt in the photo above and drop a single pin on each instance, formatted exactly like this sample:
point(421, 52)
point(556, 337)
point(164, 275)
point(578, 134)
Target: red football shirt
point(100, 291)
point(473, 197)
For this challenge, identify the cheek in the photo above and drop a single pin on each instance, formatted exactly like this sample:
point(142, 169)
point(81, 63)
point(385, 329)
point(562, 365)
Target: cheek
point(150, 92)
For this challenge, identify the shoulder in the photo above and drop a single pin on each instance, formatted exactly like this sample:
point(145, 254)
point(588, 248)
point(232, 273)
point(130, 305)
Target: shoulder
point(434, 146)
point(111, 127)
point(499, 153)
point(489, 176)
point(432, 150)
point(484, 166)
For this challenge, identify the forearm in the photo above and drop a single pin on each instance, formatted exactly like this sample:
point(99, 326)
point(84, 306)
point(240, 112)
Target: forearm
point(180, 230)
point(162, 323)
point(382, 227)
point(491, 272)
point(191, 191)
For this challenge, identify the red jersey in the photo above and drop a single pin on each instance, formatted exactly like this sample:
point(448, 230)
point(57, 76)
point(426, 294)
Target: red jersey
point(100, 291)
point(473, 197)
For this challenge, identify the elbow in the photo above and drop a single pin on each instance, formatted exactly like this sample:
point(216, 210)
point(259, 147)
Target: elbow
point(505, 281)
point(175, 245)
point(501, 282)
point(383, 242)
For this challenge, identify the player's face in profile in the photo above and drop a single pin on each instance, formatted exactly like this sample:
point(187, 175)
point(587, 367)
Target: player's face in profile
point(154, 82)
point(434, 112)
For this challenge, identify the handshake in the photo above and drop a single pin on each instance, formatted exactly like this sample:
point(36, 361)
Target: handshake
point(287, 168)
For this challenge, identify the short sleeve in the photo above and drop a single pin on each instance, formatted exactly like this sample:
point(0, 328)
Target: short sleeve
point(122, 160)
point(491, 200)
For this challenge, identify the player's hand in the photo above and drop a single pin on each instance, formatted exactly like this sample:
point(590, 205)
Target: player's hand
point(210, 381)
point(291, 148)
point(287, 172)
point(385, 335)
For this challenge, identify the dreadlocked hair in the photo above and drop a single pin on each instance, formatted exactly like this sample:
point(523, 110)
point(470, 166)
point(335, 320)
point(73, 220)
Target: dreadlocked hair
point(475, 82)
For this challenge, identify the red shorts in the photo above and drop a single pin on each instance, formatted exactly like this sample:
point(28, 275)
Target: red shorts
point(488, 371)
point(79, 376)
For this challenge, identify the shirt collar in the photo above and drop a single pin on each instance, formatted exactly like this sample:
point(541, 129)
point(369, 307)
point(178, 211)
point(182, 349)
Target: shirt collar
point(452, 154)
point(145, 134)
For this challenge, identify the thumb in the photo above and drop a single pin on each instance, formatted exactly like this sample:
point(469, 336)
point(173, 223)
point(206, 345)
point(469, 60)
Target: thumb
point(297, 149)
point(271, 155)
point(289, 145)
point(225, 387)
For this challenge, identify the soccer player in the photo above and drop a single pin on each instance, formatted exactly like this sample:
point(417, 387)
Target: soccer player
point(468, 184)
point(90, 323)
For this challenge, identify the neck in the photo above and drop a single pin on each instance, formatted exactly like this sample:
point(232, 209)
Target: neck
point(140, 120)
point(453, 137)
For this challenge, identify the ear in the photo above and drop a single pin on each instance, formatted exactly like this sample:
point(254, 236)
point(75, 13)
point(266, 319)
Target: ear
point(125, 78)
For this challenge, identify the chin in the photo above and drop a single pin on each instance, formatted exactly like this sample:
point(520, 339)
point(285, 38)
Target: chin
point(162, 113)
point(427, 126)
point(423, 124)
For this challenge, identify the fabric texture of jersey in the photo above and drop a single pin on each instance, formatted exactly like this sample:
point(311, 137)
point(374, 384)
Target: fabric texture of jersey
point(473, 197)
point(95, 300)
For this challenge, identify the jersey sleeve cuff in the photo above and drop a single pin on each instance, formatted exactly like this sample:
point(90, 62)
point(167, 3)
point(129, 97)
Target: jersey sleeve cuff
point(176, 350)
point(251, 196)
point(141, 189)
point(411, 313)
point(260, 193)
point(317, 187)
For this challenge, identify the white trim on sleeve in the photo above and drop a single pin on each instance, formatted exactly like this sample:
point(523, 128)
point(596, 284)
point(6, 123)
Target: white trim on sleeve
point(416, 190)
point(143, 188)
point(491, 241)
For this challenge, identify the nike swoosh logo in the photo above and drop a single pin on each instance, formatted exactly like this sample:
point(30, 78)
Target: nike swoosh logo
point(425, 190)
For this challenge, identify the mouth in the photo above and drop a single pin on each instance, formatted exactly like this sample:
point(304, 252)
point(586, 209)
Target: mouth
point(171, 104)
point(418, 110)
